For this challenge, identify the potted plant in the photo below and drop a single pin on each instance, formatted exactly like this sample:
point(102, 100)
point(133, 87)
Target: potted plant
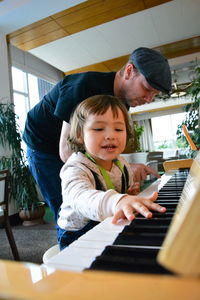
point(133, 144)
point(23, 188)
point(192, 120)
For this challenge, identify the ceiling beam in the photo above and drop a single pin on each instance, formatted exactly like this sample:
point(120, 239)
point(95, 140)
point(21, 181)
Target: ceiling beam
point(75, 19)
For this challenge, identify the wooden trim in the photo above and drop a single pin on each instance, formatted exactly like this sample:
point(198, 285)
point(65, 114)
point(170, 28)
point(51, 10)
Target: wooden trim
point(177, 164)
point(180, 48)
point(188, 138)
point(80, 17)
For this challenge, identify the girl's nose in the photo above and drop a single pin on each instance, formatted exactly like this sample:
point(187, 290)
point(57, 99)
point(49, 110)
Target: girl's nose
point(110, 134)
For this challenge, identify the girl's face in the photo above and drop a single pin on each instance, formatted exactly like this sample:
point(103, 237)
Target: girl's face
point(105, 137)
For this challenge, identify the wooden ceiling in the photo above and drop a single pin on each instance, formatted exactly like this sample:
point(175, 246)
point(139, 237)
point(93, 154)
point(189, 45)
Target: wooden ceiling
point(87, 15)
point(75, 19)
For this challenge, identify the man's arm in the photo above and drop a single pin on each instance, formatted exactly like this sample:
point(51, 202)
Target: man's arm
point(64, 150)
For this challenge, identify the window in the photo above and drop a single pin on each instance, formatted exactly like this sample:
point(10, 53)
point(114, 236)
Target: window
point(28, 90)
point(164, 132)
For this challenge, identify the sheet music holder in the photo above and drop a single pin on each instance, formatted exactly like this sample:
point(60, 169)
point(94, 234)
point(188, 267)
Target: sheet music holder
point(180, 251)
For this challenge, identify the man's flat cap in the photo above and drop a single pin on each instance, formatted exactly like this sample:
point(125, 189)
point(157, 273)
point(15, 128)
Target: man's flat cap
point(154, 66)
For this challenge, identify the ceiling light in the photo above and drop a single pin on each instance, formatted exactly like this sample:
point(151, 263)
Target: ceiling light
point(178, 94)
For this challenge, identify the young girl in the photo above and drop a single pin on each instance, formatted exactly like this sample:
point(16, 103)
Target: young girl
point(96, 181)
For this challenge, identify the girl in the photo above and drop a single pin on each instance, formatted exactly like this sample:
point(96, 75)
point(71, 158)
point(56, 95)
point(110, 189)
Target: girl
point(96, 181)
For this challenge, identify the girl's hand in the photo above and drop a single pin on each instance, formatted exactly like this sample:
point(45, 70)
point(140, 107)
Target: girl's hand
point(129, 205)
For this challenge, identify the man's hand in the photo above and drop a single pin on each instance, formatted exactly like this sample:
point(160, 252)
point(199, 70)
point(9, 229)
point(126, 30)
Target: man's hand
point(134, 189)
point(140, 172)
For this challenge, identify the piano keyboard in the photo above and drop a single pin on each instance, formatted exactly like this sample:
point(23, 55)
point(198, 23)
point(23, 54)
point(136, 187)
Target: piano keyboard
point(129, 247)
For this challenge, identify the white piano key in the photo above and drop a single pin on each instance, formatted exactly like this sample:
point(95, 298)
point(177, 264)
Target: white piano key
point(99, 235)
point(74, 257)
point(107, 225)
point(89, 244)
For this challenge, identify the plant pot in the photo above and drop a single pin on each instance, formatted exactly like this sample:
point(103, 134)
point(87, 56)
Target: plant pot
point(34, 216)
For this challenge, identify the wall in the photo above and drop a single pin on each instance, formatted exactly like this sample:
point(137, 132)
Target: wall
point(5, 94)
point(5, 82)
point(31, 64)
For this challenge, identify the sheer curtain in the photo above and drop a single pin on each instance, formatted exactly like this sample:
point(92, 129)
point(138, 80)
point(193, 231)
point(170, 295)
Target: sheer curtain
point(146, 139)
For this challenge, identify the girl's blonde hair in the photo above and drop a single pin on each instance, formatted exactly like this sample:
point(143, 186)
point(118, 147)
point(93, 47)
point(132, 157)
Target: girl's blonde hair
point(98, 105)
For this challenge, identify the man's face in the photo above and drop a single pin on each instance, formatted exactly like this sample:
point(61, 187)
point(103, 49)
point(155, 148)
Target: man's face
point(135, 89)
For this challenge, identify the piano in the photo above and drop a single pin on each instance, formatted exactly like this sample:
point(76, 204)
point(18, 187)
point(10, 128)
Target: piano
point(79, 281)
point(137, 246)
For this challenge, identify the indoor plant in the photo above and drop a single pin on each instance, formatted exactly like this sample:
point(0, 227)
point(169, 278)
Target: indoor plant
point(133, 144)
point(23, 189)
point(192, 120)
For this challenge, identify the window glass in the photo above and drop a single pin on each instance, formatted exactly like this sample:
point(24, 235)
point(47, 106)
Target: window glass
point(21, 104)
point(33, 90)
point(28, 90)
point(164, 130)
point(19, 80)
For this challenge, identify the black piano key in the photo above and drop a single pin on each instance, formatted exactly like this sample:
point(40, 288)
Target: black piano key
point(149, 222)
point(167, 204)
point(140, 229)
point(170, 193)
point(163, 215)
point(171, 209)
point(126, 259)
point(173, 186)
point(172, 196)
point(163, 201)
point(140, 239)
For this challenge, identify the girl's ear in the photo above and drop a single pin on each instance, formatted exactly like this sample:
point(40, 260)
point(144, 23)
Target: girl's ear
point(80, 138)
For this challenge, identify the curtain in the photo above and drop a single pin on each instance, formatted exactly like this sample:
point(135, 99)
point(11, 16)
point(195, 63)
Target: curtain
point(146, 139)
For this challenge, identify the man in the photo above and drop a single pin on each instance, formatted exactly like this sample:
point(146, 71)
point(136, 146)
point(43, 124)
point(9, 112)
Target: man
point(146, 74)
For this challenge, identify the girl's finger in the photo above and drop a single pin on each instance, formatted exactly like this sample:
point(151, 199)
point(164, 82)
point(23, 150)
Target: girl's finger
point(129, 212)
point(117, 216)
point(154, 206)
point(142, 209)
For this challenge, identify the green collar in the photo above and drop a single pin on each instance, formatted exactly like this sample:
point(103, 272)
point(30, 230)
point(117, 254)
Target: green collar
point(105, 174)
